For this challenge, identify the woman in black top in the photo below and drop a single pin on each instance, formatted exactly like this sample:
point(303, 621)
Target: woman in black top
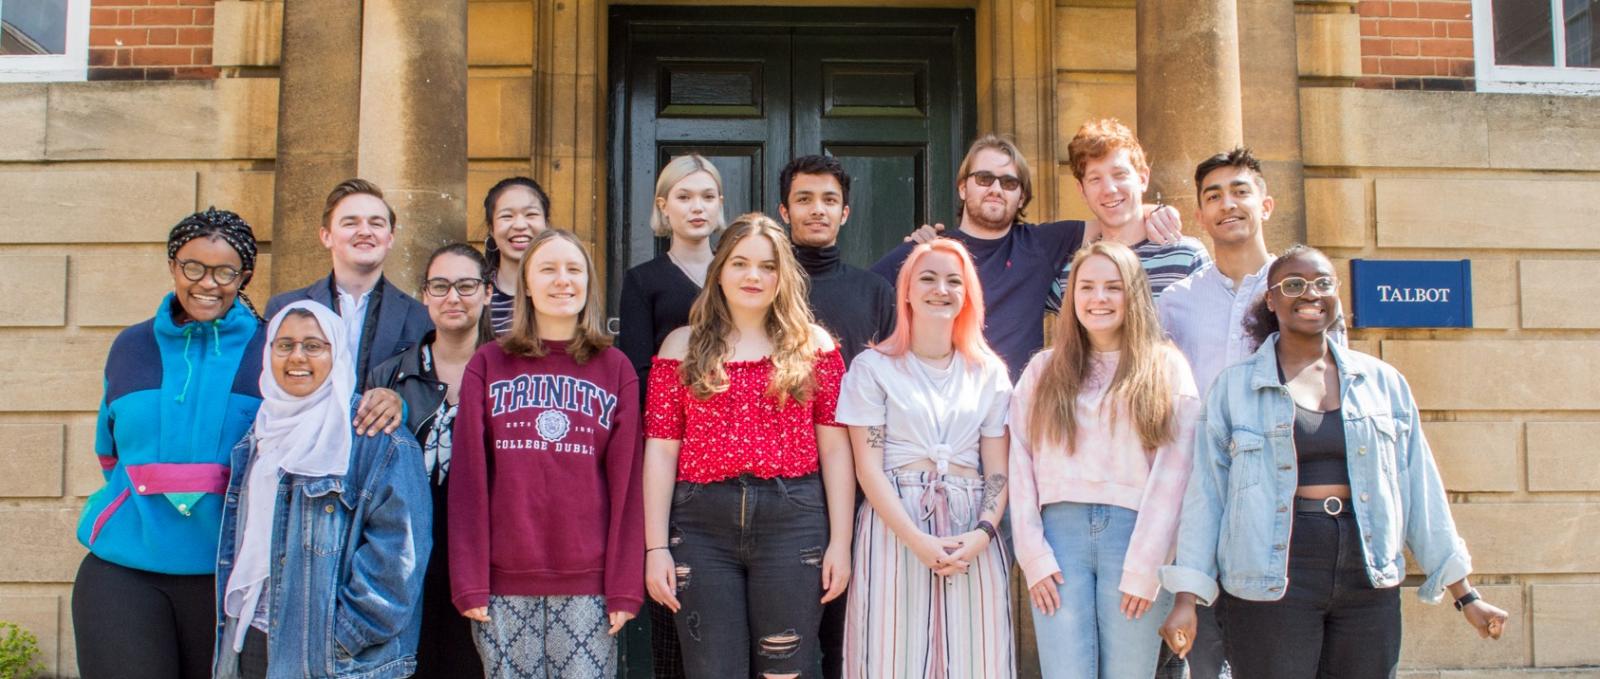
point(516, 209)
point(656, 297)
point(428, 377)
point(657, 294)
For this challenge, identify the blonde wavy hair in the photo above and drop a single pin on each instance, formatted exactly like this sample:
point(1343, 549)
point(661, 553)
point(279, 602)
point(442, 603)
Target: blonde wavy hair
point(788, 322)
point(1140, 388)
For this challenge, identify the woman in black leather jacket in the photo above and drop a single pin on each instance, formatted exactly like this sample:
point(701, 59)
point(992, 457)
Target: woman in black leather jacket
point(427, 377)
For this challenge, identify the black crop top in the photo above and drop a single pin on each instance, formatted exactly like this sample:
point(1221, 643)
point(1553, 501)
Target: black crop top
point(1319, 444)
point(1319, 447)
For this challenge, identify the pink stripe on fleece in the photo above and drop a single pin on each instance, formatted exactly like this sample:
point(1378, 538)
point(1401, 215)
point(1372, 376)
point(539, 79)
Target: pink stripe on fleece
point(107, 462)
point(169, 477)
point(105, 515)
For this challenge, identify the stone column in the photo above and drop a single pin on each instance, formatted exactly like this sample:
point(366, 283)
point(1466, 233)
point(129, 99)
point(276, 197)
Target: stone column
point(1016, 81)
point(413, 139)
point(1270, 81)
point(1188, 91)
point(319, 107)
point(568, 125)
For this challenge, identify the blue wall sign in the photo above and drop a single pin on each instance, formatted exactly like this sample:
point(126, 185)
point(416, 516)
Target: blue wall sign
point(1411, 293)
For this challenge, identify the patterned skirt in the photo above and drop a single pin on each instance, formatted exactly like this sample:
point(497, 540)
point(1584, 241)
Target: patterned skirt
point(905, 622)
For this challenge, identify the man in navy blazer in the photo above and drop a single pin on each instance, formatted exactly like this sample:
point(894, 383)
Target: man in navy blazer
point(381, 319)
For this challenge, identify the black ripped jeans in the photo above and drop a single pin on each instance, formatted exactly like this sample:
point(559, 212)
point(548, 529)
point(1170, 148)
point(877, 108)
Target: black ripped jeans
point(749, 567)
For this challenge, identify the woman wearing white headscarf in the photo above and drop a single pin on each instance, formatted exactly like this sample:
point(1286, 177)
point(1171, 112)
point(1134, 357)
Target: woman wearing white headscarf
point(325, 533)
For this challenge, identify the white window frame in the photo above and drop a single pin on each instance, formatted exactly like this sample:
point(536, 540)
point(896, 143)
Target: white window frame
point(70, 67)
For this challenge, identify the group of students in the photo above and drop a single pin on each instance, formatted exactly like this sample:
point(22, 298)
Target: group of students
point(807, 468)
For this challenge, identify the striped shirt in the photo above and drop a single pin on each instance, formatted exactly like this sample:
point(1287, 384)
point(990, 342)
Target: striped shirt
point(500, 306)
point(1163, 265)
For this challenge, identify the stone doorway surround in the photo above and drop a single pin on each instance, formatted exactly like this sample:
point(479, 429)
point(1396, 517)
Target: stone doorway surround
point(1015, 92)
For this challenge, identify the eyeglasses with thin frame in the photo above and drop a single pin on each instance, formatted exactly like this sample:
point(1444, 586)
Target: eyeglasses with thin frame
point(1295, 286)
point(196, 271)
point(312, 348)
point(440, 287)
point(986, 179)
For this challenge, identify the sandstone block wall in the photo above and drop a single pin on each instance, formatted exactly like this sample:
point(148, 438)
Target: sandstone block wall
point(94, 174)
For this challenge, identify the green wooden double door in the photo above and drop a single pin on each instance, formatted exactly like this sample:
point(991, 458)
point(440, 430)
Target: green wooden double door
point(889, 92)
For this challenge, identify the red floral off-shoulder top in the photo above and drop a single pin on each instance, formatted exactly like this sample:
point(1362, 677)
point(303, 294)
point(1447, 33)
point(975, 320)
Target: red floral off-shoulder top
point(742, 430)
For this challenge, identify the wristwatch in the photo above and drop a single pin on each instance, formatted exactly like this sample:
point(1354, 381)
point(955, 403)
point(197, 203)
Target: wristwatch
point(1469, 597)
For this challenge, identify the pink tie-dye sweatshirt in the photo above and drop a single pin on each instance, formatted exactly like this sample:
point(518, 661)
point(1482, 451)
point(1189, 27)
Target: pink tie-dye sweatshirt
point(1108, 465)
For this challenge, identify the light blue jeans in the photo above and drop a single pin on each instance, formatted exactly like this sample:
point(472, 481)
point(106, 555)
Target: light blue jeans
point(1088, 637)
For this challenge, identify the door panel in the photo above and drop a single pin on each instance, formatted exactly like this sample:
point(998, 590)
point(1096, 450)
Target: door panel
point(888, 92)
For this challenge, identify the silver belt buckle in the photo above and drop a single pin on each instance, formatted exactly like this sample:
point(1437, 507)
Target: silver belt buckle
point(1333, 505)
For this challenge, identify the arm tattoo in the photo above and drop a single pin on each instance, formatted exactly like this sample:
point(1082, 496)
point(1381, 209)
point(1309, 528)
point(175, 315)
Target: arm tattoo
point(875, 437)
point(993, 486)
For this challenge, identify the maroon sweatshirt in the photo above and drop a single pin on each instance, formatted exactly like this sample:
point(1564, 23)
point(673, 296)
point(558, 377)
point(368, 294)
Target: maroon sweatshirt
point(545, 491)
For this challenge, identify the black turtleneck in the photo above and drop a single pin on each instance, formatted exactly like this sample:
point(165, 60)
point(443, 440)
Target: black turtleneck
point(855, 305)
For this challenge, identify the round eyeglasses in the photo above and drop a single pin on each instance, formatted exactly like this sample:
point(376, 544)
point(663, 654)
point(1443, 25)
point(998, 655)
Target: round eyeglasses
point(312, 348)
point(1295, 286)
point(221, 273)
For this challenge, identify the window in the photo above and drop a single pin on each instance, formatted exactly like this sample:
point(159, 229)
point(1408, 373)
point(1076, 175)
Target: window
point(1550, 46)
point(44, 40)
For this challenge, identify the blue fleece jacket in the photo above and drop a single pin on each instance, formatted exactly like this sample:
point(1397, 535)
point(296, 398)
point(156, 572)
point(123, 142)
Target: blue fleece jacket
point(176, 400)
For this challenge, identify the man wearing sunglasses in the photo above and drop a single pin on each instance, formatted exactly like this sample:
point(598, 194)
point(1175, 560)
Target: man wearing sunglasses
point(1017, 261)
point(380, 319)
point(1205, 313)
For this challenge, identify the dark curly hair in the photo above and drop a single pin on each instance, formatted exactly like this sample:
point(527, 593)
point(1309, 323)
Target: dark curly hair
point(1261, 321)
point(221, 225)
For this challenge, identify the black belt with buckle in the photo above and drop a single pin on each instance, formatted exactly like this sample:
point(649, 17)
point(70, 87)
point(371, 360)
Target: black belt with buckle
point(1332, 506)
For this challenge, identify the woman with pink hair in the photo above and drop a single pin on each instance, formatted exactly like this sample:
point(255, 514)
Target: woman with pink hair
point(927, 415)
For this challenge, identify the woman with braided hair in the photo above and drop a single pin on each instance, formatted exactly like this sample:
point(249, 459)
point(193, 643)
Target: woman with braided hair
point(180, 389)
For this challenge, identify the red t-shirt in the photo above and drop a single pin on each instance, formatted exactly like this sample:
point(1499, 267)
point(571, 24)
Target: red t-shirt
point(742, 430)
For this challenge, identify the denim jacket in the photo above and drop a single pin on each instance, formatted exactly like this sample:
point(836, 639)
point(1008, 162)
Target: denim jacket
point(1238, 509)
point(348, 556)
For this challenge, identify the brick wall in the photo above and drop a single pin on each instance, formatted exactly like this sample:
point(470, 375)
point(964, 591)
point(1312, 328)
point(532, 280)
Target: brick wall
point(1416, 45)
point(151, 39)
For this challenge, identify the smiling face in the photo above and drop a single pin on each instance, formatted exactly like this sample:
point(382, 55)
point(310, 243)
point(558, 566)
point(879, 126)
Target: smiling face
point(1114, 189)
point(693, 206)
point(297, 373)
point(558, 281)
point(814, 210)
point(455, 312)
point(937, 288)
point(1311, 313)
point(990, 207)
point(1233, 204)
point(358, 233)
point(205, 300)
point(518, 217)
point(1099, 300)
point(749, 278)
